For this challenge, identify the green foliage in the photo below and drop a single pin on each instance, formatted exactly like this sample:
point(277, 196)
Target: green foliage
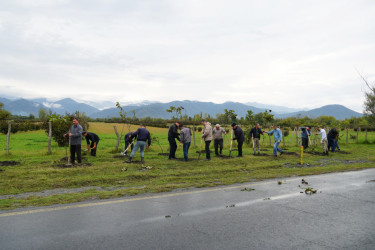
point(4, 115)
point(176, 110)
point(369, 101)
point(42, 115)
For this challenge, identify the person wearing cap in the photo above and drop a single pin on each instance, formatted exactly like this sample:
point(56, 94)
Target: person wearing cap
point(172, 136)
point(207, 136)
point(277, 135)
point(255, 133)
point(185, 140)
point(92, 141)
point(324, 141)
point(239, 136)
point(143, 135)
point(217, 134)
point(75, 135)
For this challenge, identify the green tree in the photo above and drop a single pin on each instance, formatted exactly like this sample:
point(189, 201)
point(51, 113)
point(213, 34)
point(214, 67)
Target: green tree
point(42, 114)
point(4, 115)
point(369, 103)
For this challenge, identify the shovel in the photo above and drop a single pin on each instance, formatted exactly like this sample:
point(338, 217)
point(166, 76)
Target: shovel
point(123, 153)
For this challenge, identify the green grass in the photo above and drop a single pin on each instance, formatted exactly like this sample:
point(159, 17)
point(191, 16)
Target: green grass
point(38, 170)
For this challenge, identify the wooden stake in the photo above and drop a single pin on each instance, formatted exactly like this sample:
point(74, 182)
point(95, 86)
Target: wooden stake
point(49, 136)
point(8, 136)
point(118, 137)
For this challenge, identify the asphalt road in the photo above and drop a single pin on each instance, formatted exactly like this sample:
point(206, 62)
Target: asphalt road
point(341, 215)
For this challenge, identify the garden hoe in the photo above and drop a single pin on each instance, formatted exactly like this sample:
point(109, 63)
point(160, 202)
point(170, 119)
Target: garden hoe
point(69, 163)
point(231, 143)
point(123, 153)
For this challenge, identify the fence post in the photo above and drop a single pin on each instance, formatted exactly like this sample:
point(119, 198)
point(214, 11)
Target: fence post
point(194, 128)
point(118, 137)
point(296, 129)
point(85, 127)
point(282, 132)
point(49, 136)
point(8, 136)
point(366, 135)
point(357, 135)
point(347, 135)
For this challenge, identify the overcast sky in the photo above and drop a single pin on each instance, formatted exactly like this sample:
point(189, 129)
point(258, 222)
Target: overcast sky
point(296, 53)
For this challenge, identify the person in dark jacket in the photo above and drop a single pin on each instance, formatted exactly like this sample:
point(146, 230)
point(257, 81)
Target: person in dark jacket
point(255, 133)
point(239, 136)
point(143, 135)
point(92, 141)
point(331, 137)
point(306, 133)
point(172, 136)
point(129, 137)
point(75, 136)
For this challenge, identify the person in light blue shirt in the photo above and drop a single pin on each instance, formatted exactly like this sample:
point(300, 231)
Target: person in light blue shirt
point(277, 136)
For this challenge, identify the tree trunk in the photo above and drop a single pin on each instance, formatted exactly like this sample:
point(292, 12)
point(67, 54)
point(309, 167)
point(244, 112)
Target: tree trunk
point(194, 128)
point(357, 135)
point(118, 137)
point(49, 136)
point(283, 140)
point(366, 135)
point(85, 127)
point(347, 135)
point(8, 136)
point(296, 136)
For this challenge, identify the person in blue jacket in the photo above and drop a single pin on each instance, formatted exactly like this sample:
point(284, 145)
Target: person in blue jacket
point(306, 133)
point(277, 136)
point(143, 141)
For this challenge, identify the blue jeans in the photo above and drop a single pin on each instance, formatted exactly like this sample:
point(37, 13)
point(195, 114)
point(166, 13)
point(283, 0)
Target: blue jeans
point(275, 148)
point(139, 144)
point(185, 148)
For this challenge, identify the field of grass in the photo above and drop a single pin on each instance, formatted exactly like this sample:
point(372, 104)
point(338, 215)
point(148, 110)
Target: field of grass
point(40, 180)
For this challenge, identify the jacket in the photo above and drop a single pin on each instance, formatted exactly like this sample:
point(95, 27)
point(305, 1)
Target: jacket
point(76, 138)
point(255, 132)
point(173, 133)
point(304, 132)
point(207, 132)
point(92, 137)
point(185, 135)
point(143, 135)
point(238, 134)
point(276, 134)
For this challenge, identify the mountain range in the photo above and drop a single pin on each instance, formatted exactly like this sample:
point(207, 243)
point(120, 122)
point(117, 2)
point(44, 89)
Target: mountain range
point(25, 107)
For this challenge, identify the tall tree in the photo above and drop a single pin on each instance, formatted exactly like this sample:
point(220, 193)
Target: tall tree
point(369, 103)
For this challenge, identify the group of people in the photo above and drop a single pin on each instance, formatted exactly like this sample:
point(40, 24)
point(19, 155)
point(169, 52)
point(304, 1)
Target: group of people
point(141, 139)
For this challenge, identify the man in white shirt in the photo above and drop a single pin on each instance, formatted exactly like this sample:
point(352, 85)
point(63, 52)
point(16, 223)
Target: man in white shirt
point(324, 140)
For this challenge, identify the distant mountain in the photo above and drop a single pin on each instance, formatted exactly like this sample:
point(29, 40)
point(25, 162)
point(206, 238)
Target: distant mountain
point(158, 110)
point(338, 111)
point(274, 108)
point(190, 108)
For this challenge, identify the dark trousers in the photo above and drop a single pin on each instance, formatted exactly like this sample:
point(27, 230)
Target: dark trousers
point(127, 145)
point(305, 143)
point(73, 150)
point(331, 144)
point(172, 148)
point(93, 151)
point(239, 146)
point(217, 143)
point(207, 149)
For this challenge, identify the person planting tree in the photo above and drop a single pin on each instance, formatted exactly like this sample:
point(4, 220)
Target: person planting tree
point(172, 136)
point(92, 141)
point(239, 136)
point(255, 133)
point(75, 137)
point(306, 133)
point(324, 141)
point(217, 134)
point(185, 136)
point(143, 135)
point(277, 136)
point(129, 138)
point(207, 136)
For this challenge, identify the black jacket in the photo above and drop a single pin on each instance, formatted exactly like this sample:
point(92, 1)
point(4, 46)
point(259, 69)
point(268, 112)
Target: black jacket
point(172, 133)
point(143, 135)
point(238, 134)
point(333, 133)
point(255, 133)
point(130, 136)
point(92, 137)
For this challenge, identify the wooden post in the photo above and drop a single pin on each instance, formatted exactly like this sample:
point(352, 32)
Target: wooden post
point(49, 136)
point(283, 138)
point(366, 135)
point(85, 127)
point(357, 135)
point(194, 128)
point(347, 135)
point(269, 139)
point(8, 136)
point(296, 129)
point(118, 137)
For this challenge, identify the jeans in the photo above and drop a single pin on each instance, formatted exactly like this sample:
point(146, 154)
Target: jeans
point(139, 144)
point(75, 149)
point(217, 143)
point(185, 148)
point(275, 148)
point(207, 149)
point(172, 148)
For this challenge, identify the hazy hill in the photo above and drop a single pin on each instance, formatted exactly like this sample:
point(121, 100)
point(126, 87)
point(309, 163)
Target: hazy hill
point(338, 111)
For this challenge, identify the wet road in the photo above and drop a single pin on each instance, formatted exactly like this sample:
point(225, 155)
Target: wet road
point(341, 215)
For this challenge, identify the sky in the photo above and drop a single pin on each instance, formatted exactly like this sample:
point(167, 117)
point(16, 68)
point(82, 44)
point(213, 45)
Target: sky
point(299, 54)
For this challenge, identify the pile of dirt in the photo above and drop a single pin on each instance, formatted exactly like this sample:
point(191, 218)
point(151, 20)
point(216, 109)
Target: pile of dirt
point(224, 157)
point(261, 154)
point(65, 165)
point(290, 153)
point(204, 151)
point(343, 152)
point(120, 156)
point(164, 154)
point(297, 165)
point(9, 163)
